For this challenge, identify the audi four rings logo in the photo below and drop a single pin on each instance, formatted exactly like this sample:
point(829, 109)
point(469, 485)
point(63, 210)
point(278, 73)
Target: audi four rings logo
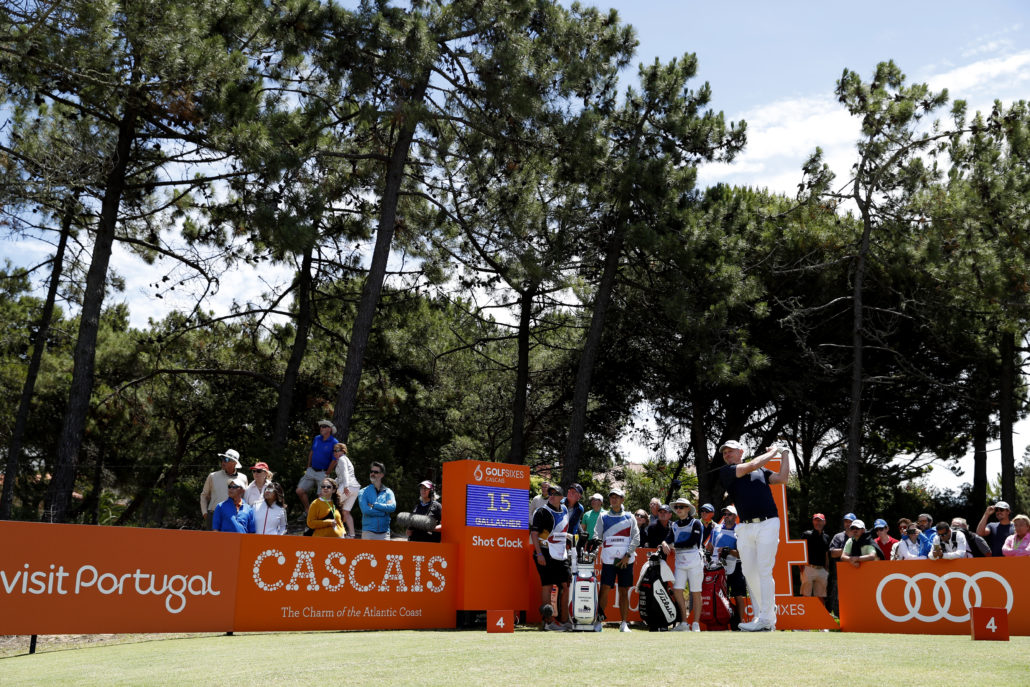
point(941, 600)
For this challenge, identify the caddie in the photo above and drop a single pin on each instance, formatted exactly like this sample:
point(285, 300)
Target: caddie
point(619, 536)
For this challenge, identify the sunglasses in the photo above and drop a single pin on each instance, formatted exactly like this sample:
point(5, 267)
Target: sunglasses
point(235, 486)
point(327, 486)
point(375, 472)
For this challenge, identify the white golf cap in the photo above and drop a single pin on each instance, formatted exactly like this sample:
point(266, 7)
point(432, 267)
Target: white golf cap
point(732, 443)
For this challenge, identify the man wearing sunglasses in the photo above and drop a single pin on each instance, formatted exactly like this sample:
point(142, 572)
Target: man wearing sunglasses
point(377, 502)
point(232, 514)
point(215, 490)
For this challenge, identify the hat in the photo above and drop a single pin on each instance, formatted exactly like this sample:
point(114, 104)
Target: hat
point(260, 466)
point(1002, 504)
point(732, 443)
point(858, 523)
point(615, 491)
point(707, 508)
point(819, 516)
point(577, 487)
point(665, 507)
point(327, 423)
point(850, 516)
point(233, 455)
point(596, 496)
point(681, 501)
point(426, 483)
point(880, 522)
point(730, 509)
point(551, 489)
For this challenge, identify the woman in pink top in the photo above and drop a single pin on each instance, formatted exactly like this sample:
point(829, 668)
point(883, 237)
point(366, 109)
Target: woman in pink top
point(1018, 543)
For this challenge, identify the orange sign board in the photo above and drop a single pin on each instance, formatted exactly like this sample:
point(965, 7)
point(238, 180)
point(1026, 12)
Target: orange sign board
point(314, 583)
point(70, 579)
point(932, 597)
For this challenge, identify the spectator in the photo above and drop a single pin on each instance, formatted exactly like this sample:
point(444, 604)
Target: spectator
point(324, 513)
point(642, 523)
point(540, 499)
point(707, 520)
point(654, 506)
point(269, 515)
point(996, 532)
point(723, 546)
point(859, 548)
point(590, 517)
point(882, 538)
point(947, 544)
point(619, 537)
point(548, 532)
point(321, 461)
point(758, 535)
point(1018, 543)
point(348, 485)
point(910, 547)
point(215, 491)
point(377, 502)
point(658, 532)
point(572, 500)
point(428, 506)
point(686, 538)
point(816, 574)
point(836, 549)
point(255, 491)
point(232, 514)
point(977, 545)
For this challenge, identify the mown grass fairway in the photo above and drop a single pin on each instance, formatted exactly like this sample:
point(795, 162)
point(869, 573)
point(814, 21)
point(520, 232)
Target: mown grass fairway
point(387, 659)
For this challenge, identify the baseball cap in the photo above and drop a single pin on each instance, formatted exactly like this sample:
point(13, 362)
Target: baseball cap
point(1002, 504)
point(426, 483)
point(577, 487)
point(552, 489)
point(665, 507)
point(596, 496)
point(880, 522)
point(260, 466)
point(858, 523)
point(707, 508)
point(732, 443)
point(615, 491)
point(850, 516)
point(730, 509)
point(819, 516)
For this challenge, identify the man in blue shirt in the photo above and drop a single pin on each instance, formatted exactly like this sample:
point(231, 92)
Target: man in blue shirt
point(377, 502)
point(758, 534)
point(321, 461)
point(232, 514)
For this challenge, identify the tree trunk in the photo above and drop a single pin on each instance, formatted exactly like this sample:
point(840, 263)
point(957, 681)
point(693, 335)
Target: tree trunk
point(38, 347)
point(1006, 413)
point(706, 491)
point(361, 330)
point(588, 359)
point(300, 346)
point(857, 372)
point(517, 451)
point(73, 427)
point(981, 420)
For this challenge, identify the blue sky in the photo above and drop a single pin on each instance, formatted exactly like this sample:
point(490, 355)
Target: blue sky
point(773, 64)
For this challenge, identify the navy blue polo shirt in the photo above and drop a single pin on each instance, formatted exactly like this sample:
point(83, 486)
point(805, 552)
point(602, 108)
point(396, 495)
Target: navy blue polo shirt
point(750, 493)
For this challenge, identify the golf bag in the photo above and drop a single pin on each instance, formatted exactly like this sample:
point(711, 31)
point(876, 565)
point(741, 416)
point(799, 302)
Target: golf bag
point(716, 612)
point(658, 608)
point(583, 593)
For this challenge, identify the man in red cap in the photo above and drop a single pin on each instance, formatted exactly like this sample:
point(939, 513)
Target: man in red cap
point(817, 572)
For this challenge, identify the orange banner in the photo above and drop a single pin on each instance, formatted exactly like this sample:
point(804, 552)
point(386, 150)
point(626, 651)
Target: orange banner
point(312, 583)
point(71, 579)
point(932, 597)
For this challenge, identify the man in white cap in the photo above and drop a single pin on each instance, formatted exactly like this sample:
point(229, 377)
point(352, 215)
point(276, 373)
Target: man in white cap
point(321, 461)
point(216, 486)
point(758, 534)
point(996, 532)
point(619, 535)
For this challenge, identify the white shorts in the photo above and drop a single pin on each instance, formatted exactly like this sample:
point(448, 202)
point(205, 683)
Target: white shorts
point(690, 570)
point(347, 502)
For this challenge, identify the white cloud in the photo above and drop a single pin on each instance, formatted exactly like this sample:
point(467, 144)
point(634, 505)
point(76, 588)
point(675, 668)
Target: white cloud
point(998, 77)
